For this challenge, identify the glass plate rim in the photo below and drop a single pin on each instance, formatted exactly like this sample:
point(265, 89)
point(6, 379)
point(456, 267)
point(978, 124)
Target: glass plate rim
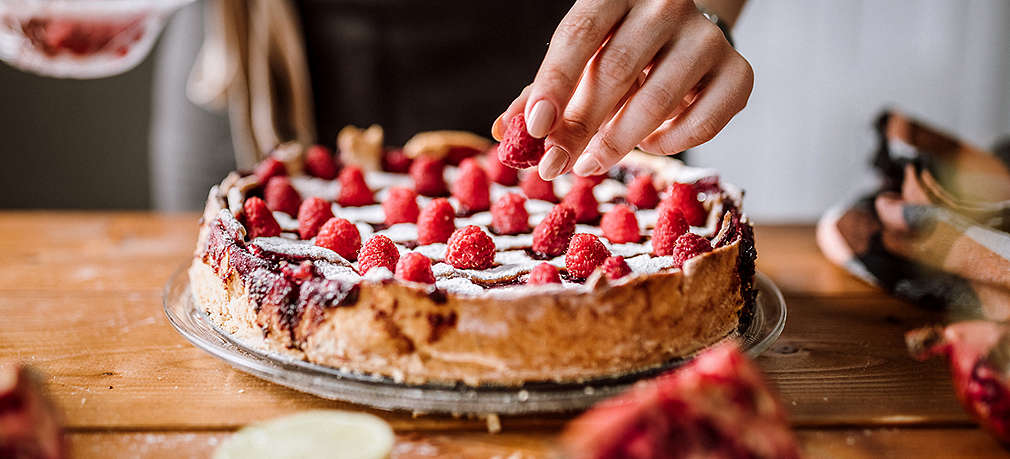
point(762, 328)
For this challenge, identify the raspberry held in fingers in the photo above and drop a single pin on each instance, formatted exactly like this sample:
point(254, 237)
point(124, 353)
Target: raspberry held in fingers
point(518, 149)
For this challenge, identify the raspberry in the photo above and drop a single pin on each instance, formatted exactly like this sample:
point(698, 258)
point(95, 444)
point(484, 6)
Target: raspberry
point(535, 187)
point(396, 161)
point(457, 154)
point(620, 225)
point(414, 267)
point(498, 172)
point(341, 236)
point(509, 216)
point(270, 167)
point(582, 201)
point(684, 197)
point(518, 148)
point(591, 180)
point(378, 252)
point(305, 271)
point(353, 189)
point(436, 222)
point(319, 162)
point(585, 254)
point(708, 185)
point(281, 196)
point(311, 215)
point(615, 268)
point(400, 206)
point(470, 248)
point(551, 236)
point(669, 226)
point(428, 177)
point(544, 273)
point(689, 245)
point(471, 187)
point(259, 222)
point(642, 193)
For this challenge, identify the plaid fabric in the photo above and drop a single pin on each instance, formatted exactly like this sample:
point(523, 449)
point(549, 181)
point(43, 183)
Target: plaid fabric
point(937, 232)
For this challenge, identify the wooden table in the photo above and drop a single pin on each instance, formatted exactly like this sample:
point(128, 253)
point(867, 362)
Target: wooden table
point(80, 299)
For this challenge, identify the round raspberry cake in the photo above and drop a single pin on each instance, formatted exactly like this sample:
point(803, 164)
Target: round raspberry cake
point(435, 263)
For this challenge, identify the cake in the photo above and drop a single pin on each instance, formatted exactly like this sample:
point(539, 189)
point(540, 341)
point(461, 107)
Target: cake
point(499, 302)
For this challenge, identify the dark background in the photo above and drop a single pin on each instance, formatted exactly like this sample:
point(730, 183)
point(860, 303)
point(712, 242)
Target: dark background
point(75, 143)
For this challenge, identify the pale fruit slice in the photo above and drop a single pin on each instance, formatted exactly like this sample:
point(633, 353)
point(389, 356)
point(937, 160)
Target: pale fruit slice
point(312, 434)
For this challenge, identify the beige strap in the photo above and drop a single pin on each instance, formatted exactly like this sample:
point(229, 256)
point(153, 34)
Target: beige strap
point(253, 64)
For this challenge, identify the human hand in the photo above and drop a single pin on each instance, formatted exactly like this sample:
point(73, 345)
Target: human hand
point(621, 73)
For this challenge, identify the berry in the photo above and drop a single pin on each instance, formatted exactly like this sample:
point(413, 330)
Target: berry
point(427, 173)
point(708, 185)
point(457, 154)
point(684, 197)
point(518, 149)
point(591, 180)
point(259, 222)
point(341, 236)
point(615, 268)
point(378, 252)
point(400, 206)
point(689, 245)
point(582, 201)
point(353, 189)
point(436, 222)
point(396, 161)
point(669, 226)
point(471, 187)
point(642, 193)
point(498, 172)
point(319, 162)
point(551, 236)
point(305, 271)
point(544, 273)
point(414, 267)
point(509, 216)
point(535, 187)
point(311, 215)
point(470, 248)
point(585, 254)
point(281, 196)
point(975, 351)
point(270, 167)
point(620, 225)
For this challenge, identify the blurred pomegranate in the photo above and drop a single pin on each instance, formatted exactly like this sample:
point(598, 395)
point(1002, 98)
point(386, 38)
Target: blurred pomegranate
point(716, 406)
point(978, 353)
point(30, 427)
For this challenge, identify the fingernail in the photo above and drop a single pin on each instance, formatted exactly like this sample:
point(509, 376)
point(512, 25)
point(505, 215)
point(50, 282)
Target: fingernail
point(553, 163)
point(497, 131)
point(587, 165)
point(540, 119)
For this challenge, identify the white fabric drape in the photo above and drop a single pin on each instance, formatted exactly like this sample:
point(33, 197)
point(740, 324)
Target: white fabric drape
point(825, 68)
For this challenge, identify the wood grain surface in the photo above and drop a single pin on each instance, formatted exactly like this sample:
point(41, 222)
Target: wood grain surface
point(80, 296)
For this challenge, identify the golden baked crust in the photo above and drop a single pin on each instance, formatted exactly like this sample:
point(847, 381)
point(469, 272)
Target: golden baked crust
point(417, 333)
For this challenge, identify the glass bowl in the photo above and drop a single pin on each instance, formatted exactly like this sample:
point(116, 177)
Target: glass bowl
point(80, 38)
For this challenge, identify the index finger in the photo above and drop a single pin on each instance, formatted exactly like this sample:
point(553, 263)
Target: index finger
point(577, 38)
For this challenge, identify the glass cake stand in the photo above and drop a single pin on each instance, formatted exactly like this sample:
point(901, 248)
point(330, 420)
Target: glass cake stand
point(758, 330)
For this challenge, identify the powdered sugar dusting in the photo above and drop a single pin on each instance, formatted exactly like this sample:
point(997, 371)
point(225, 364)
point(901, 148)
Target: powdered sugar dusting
point(309, 187)
point(297, 249)
point(400, 232)
point(287, 222)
